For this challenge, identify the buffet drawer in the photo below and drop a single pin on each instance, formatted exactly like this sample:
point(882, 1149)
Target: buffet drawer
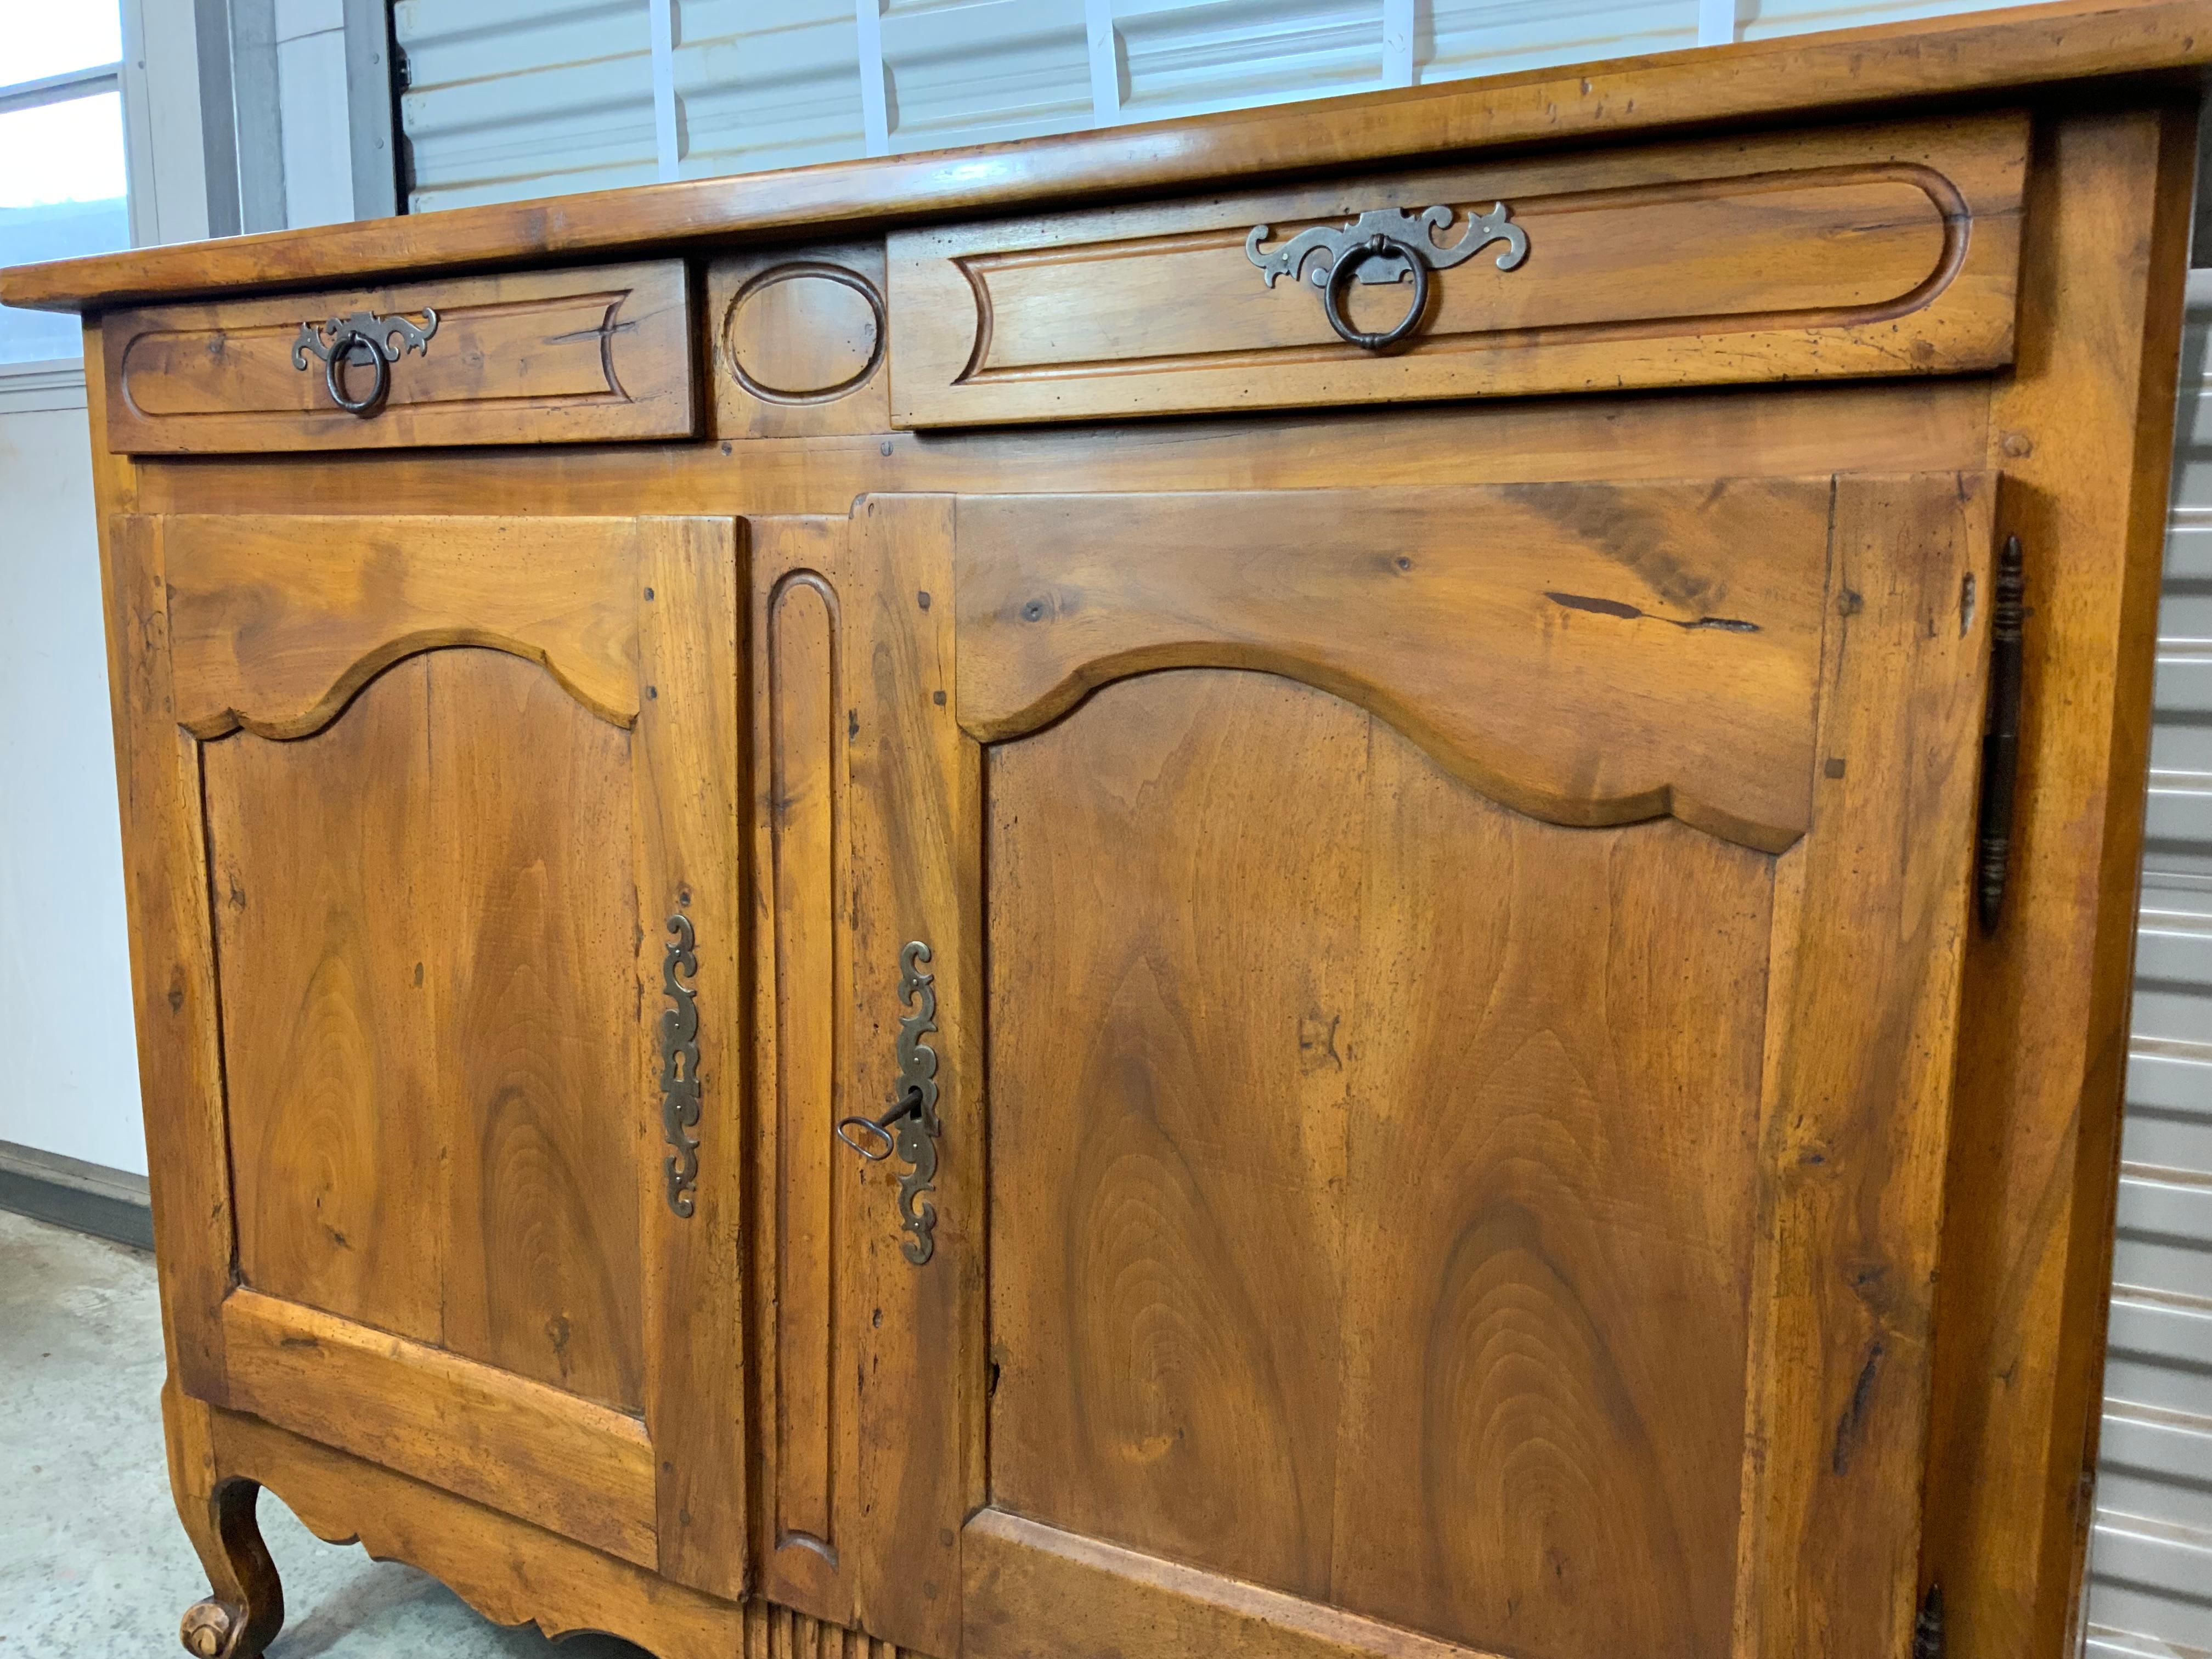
point(529, 358)
point(1846, 252)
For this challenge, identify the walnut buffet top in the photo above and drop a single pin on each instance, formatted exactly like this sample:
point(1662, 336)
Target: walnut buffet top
point(1963, 61)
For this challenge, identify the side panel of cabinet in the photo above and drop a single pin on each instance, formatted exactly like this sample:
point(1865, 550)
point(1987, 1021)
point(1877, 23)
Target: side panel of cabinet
point(441, 789)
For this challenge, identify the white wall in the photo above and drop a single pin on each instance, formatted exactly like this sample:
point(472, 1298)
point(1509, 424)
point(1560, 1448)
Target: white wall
point(69, 1063)
point(69, 1072)
point(68, 1057)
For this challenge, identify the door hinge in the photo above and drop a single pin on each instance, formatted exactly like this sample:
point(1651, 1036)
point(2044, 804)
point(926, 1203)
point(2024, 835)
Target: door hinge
point(1928, 1628)
point(2000, 738)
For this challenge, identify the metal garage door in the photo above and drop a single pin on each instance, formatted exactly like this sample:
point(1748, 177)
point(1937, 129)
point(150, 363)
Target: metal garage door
point(2151, 1559)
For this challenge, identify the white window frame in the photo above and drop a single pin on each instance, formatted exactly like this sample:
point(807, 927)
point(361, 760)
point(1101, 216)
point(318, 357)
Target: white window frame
point(54, 382)
point(165, 174)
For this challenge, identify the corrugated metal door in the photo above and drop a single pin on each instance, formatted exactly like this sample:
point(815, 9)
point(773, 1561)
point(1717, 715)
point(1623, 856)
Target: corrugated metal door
point(2150, 1563)
point(507, 99)
point(511, 99)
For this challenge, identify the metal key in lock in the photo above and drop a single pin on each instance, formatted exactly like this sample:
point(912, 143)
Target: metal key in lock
point(910, 1127)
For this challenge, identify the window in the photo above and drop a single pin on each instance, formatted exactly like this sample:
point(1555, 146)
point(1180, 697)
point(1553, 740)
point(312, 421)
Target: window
point(62, 170)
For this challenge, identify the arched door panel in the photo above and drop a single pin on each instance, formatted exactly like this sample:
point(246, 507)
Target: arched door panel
point(1442, 1008)
point(452, 801)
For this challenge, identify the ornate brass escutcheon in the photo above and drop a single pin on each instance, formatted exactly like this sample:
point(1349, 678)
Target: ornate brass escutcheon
point(1384, 245)
point(679, 1063)
point(913, 1115)
point(375, 342)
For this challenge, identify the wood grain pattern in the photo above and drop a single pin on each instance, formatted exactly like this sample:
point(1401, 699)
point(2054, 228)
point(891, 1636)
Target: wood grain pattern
point(276, 622)
point(852, 708)
point(422, 1044)
point(529, 964)
point(1862, 1034)
point(324, 912)
point(172, 975)
point(853, 864)
point(469, 1005)
point(915, 789)
point(1712, 1467)
point(1977, 56)
point(1770, 431)
point(1591, 654)
point(690, 757)
point(2084, 433)
point(519, 1446)
point(1100, 1602)
point(800, 335)
point(824, 1217)
point(1390, 1185)
point(1860, 250)
point(532, 358)
point(806, 802)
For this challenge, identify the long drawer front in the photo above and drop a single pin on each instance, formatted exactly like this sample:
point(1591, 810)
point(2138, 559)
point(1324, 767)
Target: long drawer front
point(527, 358)
point(1851, 251)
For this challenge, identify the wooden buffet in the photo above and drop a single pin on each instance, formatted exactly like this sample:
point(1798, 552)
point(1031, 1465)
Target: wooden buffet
point(1304, 884)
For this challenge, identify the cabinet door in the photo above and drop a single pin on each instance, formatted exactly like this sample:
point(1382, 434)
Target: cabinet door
point(1442, 1012)
point(434, 833)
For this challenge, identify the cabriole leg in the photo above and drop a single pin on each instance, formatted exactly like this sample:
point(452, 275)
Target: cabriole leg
point(245, 1608)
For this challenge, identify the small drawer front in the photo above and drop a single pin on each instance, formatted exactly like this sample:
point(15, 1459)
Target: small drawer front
point(1879, 250)
point(537, 358)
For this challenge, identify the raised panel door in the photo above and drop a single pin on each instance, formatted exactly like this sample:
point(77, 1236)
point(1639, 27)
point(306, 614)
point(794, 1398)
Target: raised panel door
point(457, 834)
point(1441, 1004)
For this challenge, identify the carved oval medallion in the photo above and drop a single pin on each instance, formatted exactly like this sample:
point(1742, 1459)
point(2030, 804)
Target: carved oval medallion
point(804, 333)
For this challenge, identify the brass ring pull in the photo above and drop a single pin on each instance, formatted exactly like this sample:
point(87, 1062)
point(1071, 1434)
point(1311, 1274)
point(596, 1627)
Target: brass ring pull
point(1377, 246)
point(342, 340)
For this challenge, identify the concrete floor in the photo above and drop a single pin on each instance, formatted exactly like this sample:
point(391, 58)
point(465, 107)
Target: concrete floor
point(92, 1563)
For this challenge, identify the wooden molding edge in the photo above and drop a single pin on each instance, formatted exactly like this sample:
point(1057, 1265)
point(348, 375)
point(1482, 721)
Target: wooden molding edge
point(509, 1571)
point(532, 1450)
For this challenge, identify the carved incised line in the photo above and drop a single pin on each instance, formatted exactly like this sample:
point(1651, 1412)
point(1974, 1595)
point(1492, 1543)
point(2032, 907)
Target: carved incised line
point(1952, 215)
point(220, 708)
point(679, 1063)
point(601, 335)
point(805, 270)
point(914, 1109)
point(353, 344)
